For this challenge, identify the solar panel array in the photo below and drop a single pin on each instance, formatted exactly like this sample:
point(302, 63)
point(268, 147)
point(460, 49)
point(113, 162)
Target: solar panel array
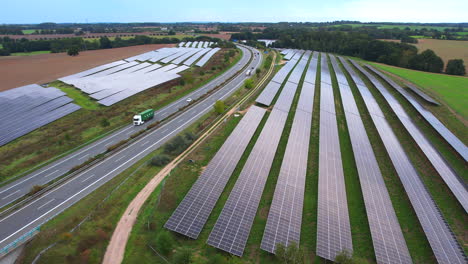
point(445, 171)
point(442, 241)
point(192, 213)
point(93, 70)
point(333, 227)
point(120, 82)
point(421, 94)
point(387, 237)
point(196, 56)
point(285, 215)
point(29, 107)
point(206, 57)
point(430, 118)
point(232, 228)
point(290, 54)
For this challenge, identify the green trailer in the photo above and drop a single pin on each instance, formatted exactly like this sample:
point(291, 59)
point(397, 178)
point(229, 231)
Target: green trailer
point(142, 117)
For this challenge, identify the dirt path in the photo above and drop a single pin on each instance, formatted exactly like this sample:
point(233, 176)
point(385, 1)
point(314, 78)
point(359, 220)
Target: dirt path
point(17, 71)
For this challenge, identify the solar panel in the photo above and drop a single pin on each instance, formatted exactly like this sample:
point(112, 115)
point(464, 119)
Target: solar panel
point(333, 227)
point(269, 93)
point(195, 57)
point(192, 213)
point(430, 118)
point(387, 237)
point(232, 228)
point(206, 57)
point(186, 56)
point(440, 237)
point(290, 54)
point(176, 55)
point(285, 215)
point(93, 70)
point(445, 171)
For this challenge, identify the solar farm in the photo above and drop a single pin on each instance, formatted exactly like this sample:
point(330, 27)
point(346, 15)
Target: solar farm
point(29, 107)
point(289, 95)
point(32, 106)
point(116, 81)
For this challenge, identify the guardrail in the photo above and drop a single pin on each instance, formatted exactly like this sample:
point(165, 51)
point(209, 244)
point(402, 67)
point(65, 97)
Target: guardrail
point(21, 240)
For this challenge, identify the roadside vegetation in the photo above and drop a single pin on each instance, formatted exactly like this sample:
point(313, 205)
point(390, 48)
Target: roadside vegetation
point(87, 125)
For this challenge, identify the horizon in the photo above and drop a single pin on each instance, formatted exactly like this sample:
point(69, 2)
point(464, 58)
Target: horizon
point(206, 11)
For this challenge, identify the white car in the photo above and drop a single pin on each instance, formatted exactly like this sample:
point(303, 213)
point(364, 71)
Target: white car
point(189, 100)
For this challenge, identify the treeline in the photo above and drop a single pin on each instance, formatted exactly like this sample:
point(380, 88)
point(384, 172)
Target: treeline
point(80, 44)
point(356, 44)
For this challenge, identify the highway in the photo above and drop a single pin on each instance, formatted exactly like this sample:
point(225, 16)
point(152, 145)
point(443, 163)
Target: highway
point(55, 201)
point(18, 188)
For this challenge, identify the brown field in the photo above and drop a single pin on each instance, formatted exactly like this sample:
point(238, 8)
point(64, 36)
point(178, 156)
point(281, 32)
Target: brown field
point(446, 49)
point(85, 36)
point(222, 35)
point(17, 71)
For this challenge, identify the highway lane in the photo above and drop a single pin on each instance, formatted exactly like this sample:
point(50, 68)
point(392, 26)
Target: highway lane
point(17, 189)
point(55, 201)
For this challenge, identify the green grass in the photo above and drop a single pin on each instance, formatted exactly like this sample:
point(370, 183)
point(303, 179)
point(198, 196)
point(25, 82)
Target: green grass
point(28, 31)
point(30, 53)
point(400, 26)
point(179, 36)
point(79, 97)
point(450, 89)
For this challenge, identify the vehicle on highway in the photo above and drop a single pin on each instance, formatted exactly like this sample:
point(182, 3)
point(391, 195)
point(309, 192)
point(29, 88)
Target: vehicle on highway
point(142, 117)
point(189, 100)
point(248, 72)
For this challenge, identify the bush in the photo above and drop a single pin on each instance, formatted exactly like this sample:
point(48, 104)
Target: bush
point(219, 106)
point(248, 84)
point(179, 144)
point(35, 189)
point(105, 122)
point(292, 254)
point(160, 160)
point(73, 51)
point(216, 259)
point(182, 256)
point(164, 242)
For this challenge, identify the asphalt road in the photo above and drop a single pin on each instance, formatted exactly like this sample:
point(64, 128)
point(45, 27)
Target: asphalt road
point(55, 201)
point(17, 189)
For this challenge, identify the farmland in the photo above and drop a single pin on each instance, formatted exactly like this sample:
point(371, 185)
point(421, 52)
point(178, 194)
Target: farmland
point(402, 26)
point(16, 71)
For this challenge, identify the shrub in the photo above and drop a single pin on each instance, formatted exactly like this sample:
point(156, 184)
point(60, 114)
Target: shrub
point(455, 67)
point(182, 256)
point(160, 160)
point(164, 242)
point(292, 254)
point(105, 122)
point(219, 106)
point(35, 189)
point(248, 84)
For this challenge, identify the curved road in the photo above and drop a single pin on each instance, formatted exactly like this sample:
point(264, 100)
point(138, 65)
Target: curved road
point(55, 201)
point(17, 189)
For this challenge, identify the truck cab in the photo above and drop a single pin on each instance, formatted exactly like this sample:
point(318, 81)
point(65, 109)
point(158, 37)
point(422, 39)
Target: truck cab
point(137, 120)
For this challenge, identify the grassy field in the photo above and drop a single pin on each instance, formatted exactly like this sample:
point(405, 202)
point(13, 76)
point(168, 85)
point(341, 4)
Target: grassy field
point(28, 31)
point(30, 53)
point(446, 49)
point(396, 26)
point(84, 126)
point(450, 90)
point(178, 36)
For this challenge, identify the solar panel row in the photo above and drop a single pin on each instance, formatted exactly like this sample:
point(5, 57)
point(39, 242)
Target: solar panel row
point(442, 241)
point(333, 226)
point(29, 107)
point(192, 213)
point(285, 215)
point(290, 54)
point(93, 70)
point(196, 56)
point(430, 118)
point(387, 237)
point(206, 57)
point(232, 228)
point(449, 176)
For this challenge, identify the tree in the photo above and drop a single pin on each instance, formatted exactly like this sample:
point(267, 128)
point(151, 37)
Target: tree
point(249, 84)
point(292, 254)
point(164, 242)
point(427, 61)
point(171, 32)
point(219, 107)
point(344, 257)
point(183, 256)
point(456, 67)
point(73, 51)
point(105, 43)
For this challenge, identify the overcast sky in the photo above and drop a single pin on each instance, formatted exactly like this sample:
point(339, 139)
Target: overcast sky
point(34, 11)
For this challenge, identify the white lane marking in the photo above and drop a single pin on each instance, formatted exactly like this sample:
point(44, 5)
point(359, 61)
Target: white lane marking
point(50, 174)
point(86, 155)
point(86, 149)
point(145, 143)
point(165, 130)
point(39, 208)
point(88, 177)
point(117, 160)
point(82, 190)
point(108, 144)
point(129, 132)
point(9, 195)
